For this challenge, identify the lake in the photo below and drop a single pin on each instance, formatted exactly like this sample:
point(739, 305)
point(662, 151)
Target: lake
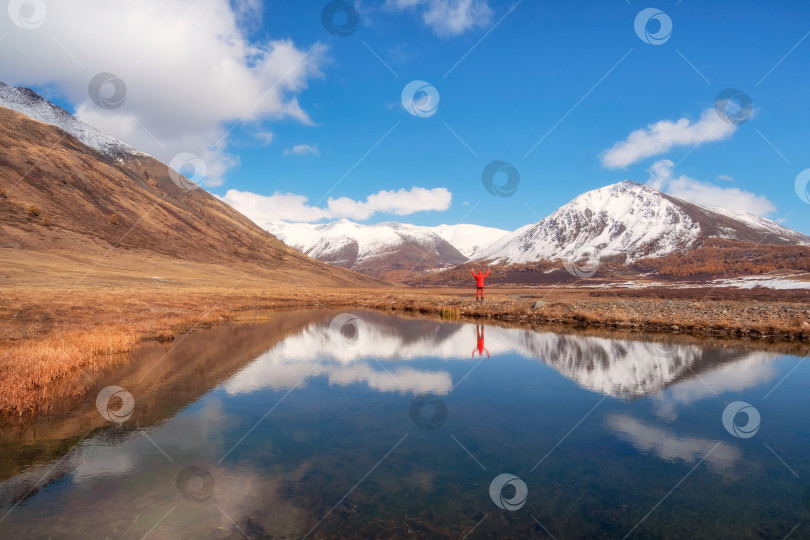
point(358, 424)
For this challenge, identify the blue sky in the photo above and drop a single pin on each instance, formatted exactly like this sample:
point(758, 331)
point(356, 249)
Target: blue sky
point(573, 74)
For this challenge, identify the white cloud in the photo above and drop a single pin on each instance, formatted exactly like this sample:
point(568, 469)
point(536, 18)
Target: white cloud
point(190, 71)
point(710, 195)
point(401, 203)
point(248, 12)
point(744, 371)
point(720, 456)
point(660, 174)
point(264, 137)
point(448, 17)
point(704, 193)
point(302, 150)
point(286, 206)
point(291, 207)
point(662, 136)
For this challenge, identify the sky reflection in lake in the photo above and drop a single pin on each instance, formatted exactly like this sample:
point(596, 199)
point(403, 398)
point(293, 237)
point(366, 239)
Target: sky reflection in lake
point(367, 424)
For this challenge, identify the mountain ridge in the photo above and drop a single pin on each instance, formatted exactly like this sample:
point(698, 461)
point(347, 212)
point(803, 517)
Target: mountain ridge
point(383, 250)
point(627, 220)
point(27, 102)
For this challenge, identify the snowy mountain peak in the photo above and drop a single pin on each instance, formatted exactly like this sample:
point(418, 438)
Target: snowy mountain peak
point(387, 246)
point(27, 102)
point(468, 238)
point(629, 220)
point(383, 249)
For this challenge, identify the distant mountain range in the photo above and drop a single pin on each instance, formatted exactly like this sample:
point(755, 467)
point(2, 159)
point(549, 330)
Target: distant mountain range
point(627, 220)
point(385, 249)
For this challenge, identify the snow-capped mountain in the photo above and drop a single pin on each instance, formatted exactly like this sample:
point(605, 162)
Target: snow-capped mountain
point(384, 249)
point(29, 103)
point(469, 239)
point(630, 220)
point(626, 220)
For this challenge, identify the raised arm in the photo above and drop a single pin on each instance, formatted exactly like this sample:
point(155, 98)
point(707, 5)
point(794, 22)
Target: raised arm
point(472, 271)
point(485, 275)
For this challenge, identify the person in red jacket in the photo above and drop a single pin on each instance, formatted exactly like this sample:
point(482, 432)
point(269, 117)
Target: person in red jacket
point(479, 283)
point(479, 336)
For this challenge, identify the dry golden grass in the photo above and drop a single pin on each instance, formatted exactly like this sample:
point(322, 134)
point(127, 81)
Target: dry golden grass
point(51, 337)
point(449, 314)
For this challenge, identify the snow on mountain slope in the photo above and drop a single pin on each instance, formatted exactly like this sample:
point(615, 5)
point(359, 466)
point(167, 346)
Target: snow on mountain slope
point(621, 218)
point(31, 104)
point(632, 220)
point(468, 239)
point(372, 249)
point(766, 225)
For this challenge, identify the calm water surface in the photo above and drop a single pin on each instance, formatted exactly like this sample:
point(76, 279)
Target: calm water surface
point(319, 424)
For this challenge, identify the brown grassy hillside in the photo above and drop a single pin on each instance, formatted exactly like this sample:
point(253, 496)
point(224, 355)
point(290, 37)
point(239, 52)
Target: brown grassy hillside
point(60, 197)
point(729, 258)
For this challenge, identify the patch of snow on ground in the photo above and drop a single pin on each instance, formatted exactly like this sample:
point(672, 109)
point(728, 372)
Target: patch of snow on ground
point(749, 282)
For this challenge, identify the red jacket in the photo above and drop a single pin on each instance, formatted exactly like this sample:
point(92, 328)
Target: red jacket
point(480, 343)
point(479, 277)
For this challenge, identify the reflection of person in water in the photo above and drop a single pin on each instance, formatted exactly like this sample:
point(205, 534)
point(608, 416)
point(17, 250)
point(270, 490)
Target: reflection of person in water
point(479, 335)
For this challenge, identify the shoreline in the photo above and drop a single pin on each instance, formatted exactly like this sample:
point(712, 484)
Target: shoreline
point(50, 340)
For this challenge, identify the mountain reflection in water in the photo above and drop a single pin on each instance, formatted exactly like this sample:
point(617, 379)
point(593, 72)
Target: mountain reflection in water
point(613, 367)
point(364, 424)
